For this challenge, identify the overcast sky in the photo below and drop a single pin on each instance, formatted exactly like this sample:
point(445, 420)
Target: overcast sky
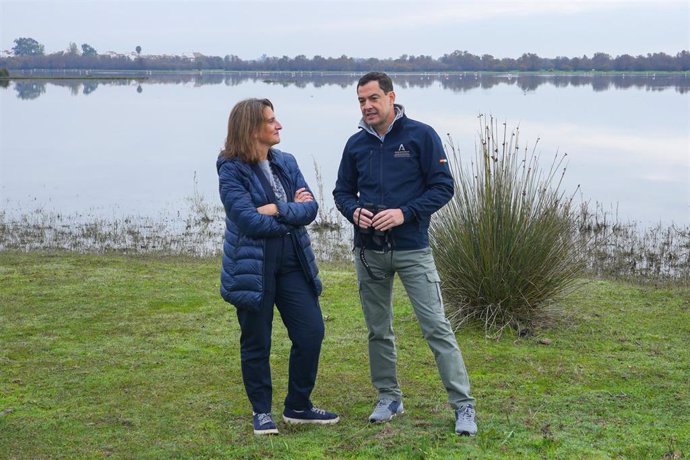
point(331, 28)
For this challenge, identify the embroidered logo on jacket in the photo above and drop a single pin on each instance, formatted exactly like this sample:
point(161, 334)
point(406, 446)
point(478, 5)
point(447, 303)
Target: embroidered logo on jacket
point(402, 152)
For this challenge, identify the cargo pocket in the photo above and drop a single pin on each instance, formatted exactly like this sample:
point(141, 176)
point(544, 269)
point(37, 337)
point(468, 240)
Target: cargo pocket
point(435, 297)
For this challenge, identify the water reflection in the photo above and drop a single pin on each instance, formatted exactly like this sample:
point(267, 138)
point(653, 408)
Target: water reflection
point(134, 148)
point(31, 89)
point(28, 90)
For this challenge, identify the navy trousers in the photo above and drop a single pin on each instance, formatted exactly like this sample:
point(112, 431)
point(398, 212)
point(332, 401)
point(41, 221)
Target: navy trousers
point(286, 287)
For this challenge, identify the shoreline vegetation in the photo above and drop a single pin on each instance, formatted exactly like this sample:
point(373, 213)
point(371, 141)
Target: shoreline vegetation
point(652, 254)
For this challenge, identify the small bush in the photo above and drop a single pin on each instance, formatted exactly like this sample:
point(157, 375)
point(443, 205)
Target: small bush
point(506, 245)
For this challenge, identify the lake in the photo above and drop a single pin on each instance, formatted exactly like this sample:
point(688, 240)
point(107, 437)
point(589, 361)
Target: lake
point(143, 147)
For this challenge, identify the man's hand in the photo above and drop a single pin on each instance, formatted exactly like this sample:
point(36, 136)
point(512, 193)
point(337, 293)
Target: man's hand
point(383, 220)
point(362, 217)
point(387, 219)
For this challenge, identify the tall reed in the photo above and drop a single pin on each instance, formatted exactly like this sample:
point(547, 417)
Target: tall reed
point(505, 245)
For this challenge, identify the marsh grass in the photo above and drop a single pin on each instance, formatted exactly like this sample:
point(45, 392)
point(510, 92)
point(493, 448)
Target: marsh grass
point(166, 234)
point(614, 249)
point(628, 251)
point(505, 244)
point(328, 218)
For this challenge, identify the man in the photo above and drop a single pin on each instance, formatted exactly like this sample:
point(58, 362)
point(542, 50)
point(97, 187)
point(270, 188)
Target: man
point(393, 176)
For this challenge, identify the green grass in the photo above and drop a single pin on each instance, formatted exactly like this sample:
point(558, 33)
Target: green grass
point(137, 356)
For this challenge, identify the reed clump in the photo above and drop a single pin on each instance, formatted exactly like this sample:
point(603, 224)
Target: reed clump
point(506, 245)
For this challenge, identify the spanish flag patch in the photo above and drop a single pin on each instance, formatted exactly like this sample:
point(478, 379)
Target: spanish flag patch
point(443, 160)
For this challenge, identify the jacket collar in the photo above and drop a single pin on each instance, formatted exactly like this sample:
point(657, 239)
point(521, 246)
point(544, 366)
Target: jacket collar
point(275, 157)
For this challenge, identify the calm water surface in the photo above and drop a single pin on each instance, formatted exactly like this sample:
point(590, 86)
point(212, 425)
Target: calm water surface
point(120, 148)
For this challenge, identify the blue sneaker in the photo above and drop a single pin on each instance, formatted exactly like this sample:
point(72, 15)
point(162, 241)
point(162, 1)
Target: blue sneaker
point(264, 424)
point(313, 415)
point(465, 424)
point(385, 410)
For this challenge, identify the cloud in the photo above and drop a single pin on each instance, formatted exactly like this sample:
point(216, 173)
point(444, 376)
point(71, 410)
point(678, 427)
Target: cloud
point(358, 28)
point(396, 18)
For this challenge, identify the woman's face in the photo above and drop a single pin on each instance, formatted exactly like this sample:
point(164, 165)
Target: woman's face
point(268, 134)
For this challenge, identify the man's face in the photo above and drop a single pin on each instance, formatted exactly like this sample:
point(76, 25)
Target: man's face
point(376, 106)
point(269, 132)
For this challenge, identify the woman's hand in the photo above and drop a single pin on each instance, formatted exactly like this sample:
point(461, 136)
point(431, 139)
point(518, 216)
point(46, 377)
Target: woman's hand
point(268, 209)
point(303, 195)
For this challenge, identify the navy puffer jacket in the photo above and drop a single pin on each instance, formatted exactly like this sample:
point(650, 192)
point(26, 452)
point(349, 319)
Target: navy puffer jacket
point(246, 231)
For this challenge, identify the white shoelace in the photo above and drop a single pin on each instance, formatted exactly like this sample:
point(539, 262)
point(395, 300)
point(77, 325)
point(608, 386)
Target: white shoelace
point(467, 414)
point(264, 418)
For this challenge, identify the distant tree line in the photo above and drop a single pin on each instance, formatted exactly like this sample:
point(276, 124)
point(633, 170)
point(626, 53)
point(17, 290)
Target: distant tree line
point(29, 54)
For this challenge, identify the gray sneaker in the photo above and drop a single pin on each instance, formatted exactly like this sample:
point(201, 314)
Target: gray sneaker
point(385, 410)
point(464, 421)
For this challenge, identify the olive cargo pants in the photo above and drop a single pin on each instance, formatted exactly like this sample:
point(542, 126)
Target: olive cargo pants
point(417, 271)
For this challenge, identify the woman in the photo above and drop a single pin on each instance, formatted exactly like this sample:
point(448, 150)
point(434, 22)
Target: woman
point(267, 260)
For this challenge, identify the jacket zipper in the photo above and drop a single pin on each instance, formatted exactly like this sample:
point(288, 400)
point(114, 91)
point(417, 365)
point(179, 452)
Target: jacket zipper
point(381, 183)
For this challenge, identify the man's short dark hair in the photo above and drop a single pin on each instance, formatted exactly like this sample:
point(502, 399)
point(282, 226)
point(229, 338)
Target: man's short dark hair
point(385, 82)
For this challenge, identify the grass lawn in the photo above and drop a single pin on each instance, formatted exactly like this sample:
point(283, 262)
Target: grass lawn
point(138, 356)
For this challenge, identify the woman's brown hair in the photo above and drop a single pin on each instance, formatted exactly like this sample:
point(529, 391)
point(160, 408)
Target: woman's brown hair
point(245, 120)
